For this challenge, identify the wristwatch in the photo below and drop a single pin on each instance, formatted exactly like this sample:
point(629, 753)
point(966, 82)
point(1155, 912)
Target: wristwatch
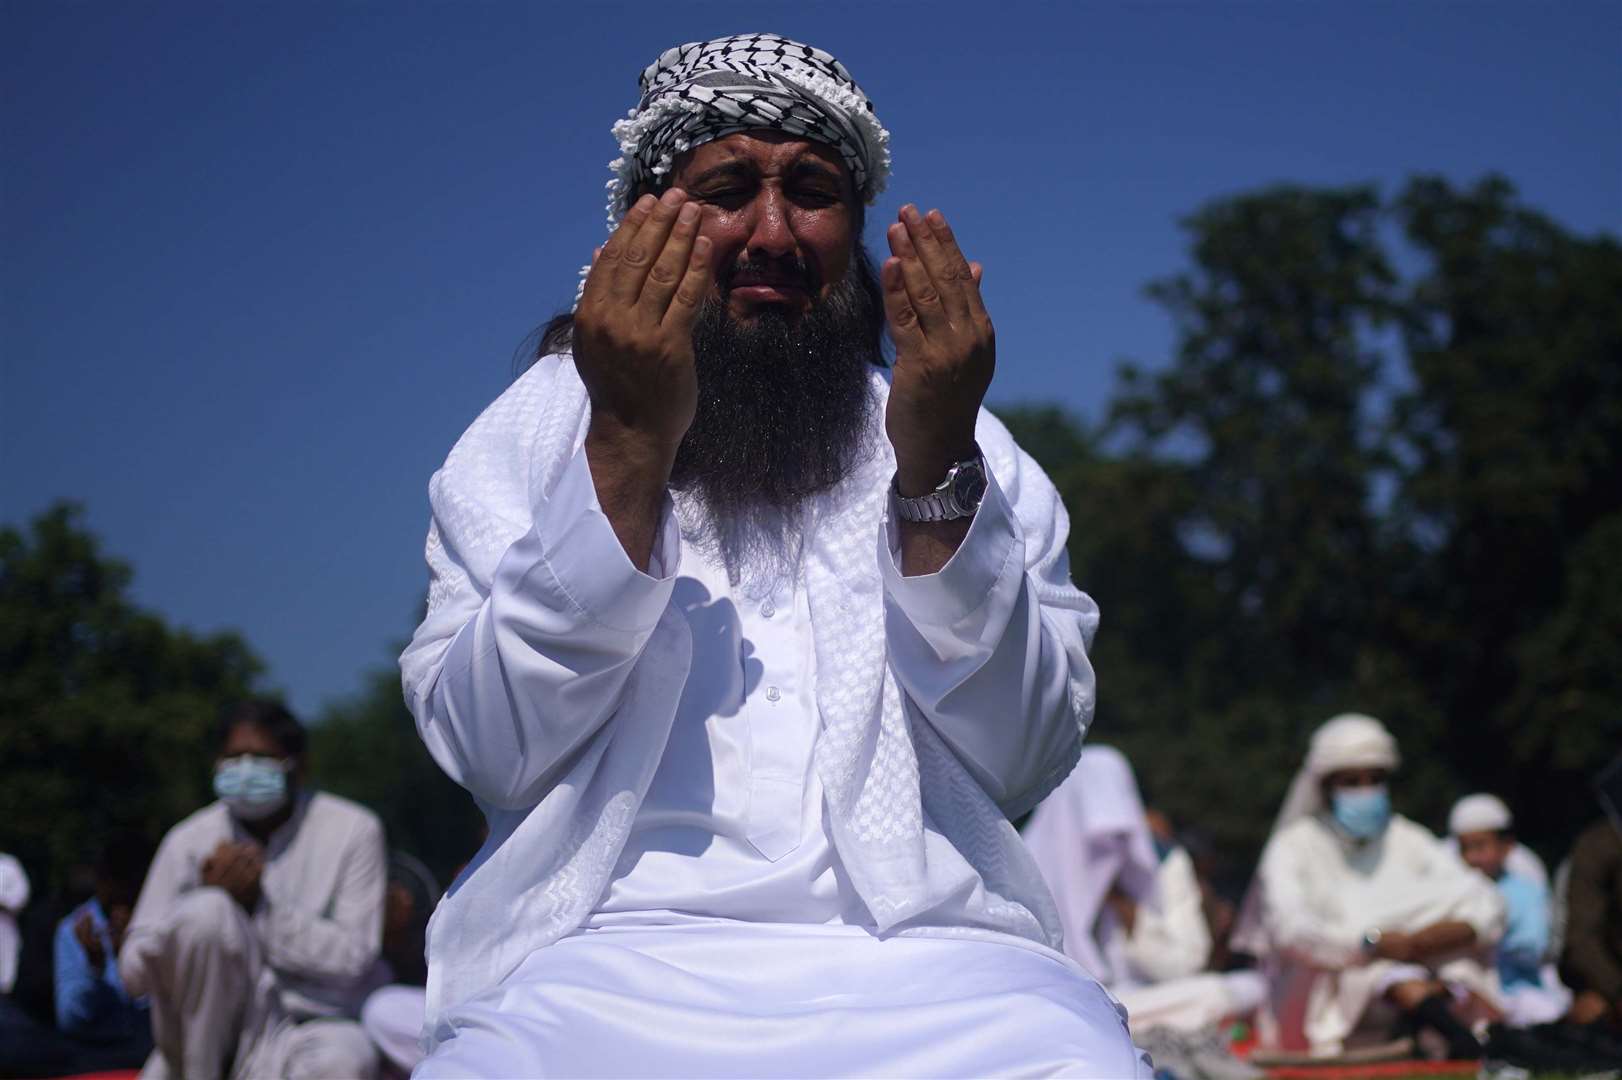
point(1371, 941)
point(958, 496)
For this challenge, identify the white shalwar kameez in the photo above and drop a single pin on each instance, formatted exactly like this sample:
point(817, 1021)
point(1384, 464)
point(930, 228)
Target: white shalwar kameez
point(1318, 891)
point(1321, 892)
point(728, 937)
point(268, 992)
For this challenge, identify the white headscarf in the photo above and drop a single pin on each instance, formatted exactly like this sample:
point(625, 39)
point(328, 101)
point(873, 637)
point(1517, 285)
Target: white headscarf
point(1088, 835)
point(1348, 741)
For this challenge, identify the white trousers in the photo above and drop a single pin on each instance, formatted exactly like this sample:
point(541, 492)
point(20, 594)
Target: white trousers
point(1194, 1002)
point(215, 1005)
point(392, 1017)
point(750, 999)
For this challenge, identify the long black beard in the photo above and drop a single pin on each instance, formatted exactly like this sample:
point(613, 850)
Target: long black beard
point(784, 405)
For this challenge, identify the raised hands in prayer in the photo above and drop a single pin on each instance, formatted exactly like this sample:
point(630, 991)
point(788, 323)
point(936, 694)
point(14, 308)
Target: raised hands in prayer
point(236, 867)
point(945, 349)
point(633, 348)
point(84, 930)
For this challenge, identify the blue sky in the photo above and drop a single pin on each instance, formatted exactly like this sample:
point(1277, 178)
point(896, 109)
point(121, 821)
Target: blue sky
point(264, 262)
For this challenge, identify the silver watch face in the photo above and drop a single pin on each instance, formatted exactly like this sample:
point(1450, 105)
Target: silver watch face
point(969, 486)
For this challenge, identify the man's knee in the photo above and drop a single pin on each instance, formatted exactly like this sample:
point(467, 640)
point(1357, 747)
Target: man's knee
point(330, 1050)
point(210, 918)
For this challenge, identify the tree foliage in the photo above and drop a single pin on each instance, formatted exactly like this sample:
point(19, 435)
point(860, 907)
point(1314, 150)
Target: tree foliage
point(1275, 535)
point(107, 709)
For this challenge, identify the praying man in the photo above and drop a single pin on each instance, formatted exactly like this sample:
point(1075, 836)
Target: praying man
point(747, 653)
point(256, 933)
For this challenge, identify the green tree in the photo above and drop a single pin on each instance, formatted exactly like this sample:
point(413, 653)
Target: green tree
point(107, 710)
point(1510, 506)
point(1234, 538)
point(1354, 490)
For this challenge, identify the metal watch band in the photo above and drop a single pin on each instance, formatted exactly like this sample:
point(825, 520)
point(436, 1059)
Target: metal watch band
point(942, 504)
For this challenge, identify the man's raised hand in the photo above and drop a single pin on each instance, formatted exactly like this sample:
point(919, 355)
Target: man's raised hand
point(945, 349)
point(84, 929)
point(633, 327)
point(633, 348)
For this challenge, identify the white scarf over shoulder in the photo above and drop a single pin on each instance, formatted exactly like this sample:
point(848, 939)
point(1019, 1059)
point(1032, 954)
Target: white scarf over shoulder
point(888, 777)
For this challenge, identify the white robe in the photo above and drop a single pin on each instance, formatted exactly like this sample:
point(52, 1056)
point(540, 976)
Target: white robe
point(1091, 835)
point(232, 986)
point(1318, 895)
point(739, 822)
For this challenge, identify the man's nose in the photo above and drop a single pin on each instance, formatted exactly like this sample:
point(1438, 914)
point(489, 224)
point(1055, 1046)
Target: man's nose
point(770, 234)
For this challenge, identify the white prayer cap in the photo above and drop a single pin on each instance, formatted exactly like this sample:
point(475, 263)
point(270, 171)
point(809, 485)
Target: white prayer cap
point(1351, 741)
point(1479, 813)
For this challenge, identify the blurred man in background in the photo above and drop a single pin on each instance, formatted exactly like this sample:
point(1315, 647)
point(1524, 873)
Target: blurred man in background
point(261, 918)
point(1353, 906)
point(92, 1004)
point(1132, 909)
point(1591, 963)
point(1521, 861)
point(1528, 990)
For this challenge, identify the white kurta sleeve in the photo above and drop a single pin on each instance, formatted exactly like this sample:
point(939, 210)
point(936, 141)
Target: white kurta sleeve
point(339, 940)
point(992, 649)
point(1475, 900)
point(542, 662)
point(173, 870)
point(1171, 940)
point(1294, 925)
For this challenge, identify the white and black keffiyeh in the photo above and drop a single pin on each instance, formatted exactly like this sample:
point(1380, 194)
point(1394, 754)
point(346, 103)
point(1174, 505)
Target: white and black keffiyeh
point(705, 90)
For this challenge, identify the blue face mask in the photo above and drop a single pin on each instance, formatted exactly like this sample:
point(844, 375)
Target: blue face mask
point(252, 787)
point(1363, 812)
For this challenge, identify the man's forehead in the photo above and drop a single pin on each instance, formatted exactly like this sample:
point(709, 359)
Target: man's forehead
point(769, 150)
point(250, 738)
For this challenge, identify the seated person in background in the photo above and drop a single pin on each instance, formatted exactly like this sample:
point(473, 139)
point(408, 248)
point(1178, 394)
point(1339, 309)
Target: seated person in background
point(1529, 991)
point(1212, 864)
point(1353, 905)
point(13, 898)
point(1131, 910)
point(92, 1004)
point(1591, 963)
point(260, 919)
point(1521, 861)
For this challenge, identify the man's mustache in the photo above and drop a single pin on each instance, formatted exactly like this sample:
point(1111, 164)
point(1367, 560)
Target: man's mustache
point(789, 270)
